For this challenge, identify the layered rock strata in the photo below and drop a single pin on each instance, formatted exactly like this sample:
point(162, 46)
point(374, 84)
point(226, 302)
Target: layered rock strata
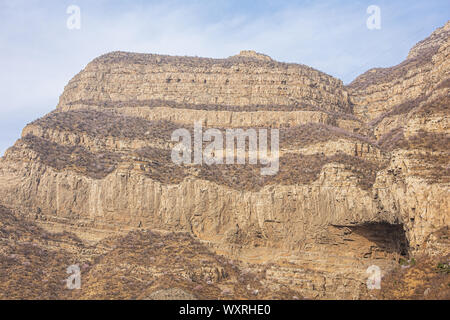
point(363, 177)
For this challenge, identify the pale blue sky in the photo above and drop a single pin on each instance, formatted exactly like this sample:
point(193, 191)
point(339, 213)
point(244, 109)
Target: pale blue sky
point(39, 55)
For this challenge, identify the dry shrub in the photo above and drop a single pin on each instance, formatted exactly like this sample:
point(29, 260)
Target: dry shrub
point(107, 124)
point(61, 157)
point(157, 103)
point(392, 140)
point(420, 280)
point(312, 133)
point(294, 169)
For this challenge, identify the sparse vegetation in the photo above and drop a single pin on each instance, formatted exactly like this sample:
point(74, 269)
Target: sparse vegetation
point(77, 158)
point(107, 123)
point(33, 265)
point(156, 103)
point(385, 75)
point(304, 135)
point(421, 279)
point(443, 267)
point(316, 236)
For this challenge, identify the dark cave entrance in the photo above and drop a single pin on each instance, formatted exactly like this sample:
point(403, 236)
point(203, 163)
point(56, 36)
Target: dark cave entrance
point(391, 238)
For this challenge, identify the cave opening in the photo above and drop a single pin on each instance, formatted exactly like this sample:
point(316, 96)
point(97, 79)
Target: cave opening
point(391, 238)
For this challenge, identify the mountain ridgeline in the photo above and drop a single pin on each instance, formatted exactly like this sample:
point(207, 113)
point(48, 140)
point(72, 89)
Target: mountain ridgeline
point(363, 179)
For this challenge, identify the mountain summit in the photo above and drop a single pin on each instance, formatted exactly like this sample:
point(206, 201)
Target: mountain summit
point(363, 177)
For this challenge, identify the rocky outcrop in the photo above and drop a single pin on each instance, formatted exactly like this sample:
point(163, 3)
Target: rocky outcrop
point(384, 95)
point(241, 80)
point(34, 264)
point(363, 177)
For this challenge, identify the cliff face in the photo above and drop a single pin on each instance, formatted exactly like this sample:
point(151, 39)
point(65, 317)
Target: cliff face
point(33, 264)
point(363, 177)
point(406, 108)
point(242, 80)
point(384, 97)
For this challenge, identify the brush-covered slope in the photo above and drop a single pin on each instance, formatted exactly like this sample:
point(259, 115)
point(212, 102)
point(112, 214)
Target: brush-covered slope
point(363, 176)
point(34, 262)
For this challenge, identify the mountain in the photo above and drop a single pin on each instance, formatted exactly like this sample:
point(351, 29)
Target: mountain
point(363, 176)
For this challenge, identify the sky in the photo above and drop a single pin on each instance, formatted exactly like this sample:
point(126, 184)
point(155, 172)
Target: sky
point(39, 54)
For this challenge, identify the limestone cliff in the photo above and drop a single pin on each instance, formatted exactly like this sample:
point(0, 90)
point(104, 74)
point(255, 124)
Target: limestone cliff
point(364, 169)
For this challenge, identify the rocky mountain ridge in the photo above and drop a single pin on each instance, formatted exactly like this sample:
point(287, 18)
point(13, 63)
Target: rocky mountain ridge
point(364, 169)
